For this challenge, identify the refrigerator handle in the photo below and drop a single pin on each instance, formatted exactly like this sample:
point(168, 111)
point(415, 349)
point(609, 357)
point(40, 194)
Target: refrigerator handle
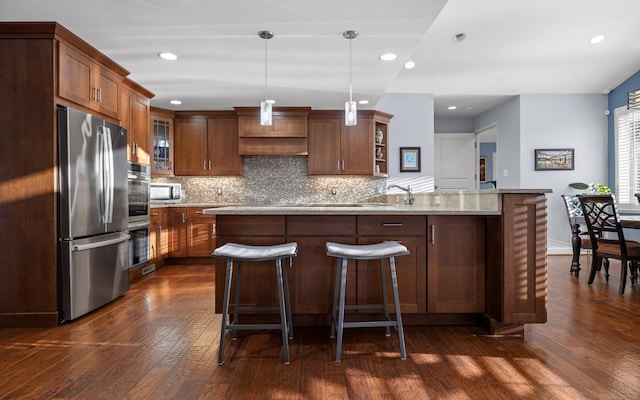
point(82, 247)
point(100, 164)
point(109, 178)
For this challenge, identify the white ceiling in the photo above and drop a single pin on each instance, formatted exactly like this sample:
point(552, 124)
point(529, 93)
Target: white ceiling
point(511, 47)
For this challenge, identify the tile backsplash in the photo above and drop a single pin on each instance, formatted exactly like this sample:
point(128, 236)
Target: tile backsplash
point(279, 180)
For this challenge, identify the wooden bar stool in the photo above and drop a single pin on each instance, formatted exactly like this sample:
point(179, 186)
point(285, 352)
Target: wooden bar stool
point(239, 253)
point(343, 252)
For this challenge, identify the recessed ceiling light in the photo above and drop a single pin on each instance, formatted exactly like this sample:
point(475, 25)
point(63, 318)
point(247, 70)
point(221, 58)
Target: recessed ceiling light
point(597, 39)
point(388, 57)
point(409, 65)
point(175, 102)
point(168, 56)
point(451, 108)
point(459, 37)
point(363, 101)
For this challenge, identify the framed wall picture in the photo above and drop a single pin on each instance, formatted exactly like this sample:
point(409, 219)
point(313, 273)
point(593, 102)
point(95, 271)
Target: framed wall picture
point(409, 159)
point(482, 171)
point(554, 159)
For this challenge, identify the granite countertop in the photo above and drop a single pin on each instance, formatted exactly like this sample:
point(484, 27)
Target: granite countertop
point(445, 202)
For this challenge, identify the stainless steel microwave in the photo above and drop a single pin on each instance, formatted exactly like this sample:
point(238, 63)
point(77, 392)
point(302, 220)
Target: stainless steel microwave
point(165, 192)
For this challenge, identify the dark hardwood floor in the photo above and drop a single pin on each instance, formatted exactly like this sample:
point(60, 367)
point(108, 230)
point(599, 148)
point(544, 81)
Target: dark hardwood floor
point(160, 341)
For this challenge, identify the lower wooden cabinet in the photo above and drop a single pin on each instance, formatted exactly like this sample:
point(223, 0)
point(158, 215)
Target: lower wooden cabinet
point(411, 269)
point(158, 235)
point(258, 287)
point(192, 232)
point(311, 279)
point(456, 259)
point(201, 233)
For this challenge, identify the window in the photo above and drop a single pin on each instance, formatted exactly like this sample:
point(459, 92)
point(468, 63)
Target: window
point(627, 141)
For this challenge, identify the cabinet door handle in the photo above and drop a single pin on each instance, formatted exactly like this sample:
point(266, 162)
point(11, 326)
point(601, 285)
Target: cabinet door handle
point(184, 218)
point(394, 224)
point(213, 229)
point(343, 165)
point(93, 93)
point(99, 95)
point(204, 164)
point(433, 234)
point(209, 164)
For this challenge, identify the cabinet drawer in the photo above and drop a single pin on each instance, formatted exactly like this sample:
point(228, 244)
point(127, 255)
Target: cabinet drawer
point(319, 225)
point(255, 225)
point(196, 212)
point(392, 225)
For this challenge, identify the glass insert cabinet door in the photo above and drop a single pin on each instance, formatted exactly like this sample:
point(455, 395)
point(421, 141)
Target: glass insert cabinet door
point(162, 146)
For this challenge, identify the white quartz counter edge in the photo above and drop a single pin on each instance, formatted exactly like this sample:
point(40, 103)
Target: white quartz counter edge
point(348, 210)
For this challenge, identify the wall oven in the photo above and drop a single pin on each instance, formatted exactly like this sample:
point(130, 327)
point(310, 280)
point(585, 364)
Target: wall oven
point(138, 243)
point(138, 184)
point(138, 225)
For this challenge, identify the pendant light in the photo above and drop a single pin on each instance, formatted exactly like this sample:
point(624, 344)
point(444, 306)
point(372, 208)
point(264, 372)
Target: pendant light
point(266, 111)
point(350, 111)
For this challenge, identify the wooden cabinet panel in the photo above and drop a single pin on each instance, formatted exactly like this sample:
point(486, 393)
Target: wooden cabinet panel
point(223, 147)
point(207, 147)
point(134, 115)
point(177, 232)
point(107, 84)
point(391, 225)
point(411, 271)
point(356, 147)
point(74, 76)
point(191, 146)
point(318, 225)
point(282, 126)
point(312, 276)
point(286, 136)
point(525, 259)
point(158, 235)
point(335, 149)
point(87, 83)
point(456, 260)
point(201, 238)
point(324, 146)
point(258, 225)
point(258, 278)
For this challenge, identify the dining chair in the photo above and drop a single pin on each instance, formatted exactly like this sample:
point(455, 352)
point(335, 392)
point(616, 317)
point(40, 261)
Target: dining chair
point(579, 238)
point(601, 216)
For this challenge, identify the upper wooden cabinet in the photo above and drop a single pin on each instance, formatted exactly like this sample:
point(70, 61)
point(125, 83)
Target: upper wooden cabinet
point(207, 144)
point(84, 81)
point(162, 144)
point(134, 115)
point(286, 136)
point(336, 149)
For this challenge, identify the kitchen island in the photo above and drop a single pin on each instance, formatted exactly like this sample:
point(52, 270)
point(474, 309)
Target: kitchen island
point(477, 257)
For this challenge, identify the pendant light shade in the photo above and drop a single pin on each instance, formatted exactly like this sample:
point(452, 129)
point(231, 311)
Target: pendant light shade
point(266, 106)
point(350, 108)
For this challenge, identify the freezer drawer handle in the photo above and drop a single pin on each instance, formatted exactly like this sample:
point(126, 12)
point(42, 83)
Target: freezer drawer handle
point(82, 247)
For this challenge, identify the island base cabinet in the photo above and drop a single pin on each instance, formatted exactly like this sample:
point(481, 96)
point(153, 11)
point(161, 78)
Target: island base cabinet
point(411, 271)
point(456, 260)
point(258, 279)
point(313, 274)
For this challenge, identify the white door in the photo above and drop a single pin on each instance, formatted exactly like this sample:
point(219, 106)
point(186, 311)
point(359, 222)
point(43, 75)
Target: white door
point(455, 156)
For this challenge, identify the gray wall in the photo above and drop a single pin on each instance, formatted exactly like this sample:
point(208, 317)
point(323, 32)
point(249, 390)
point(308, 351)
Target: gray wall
point(535, 121)
point(412, 126)
point(507, 118)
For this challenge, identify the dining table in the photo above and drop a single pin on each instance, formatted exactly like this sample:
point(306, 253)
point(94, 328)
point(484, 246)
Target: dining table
point(628, 222)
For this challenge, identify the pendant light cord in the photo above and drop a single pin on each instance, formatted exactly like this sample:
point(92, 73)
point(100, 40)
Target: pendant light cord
point(265, 69)
point(350, 63)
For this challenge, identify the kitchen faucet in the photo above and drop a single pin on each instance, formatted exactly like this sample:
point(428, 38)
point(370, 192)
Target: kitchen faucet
point(409, 200)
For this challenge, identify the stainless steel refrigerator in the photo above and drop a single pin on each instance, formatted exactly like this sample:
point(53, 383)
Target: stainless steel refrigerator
point(92, 212)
